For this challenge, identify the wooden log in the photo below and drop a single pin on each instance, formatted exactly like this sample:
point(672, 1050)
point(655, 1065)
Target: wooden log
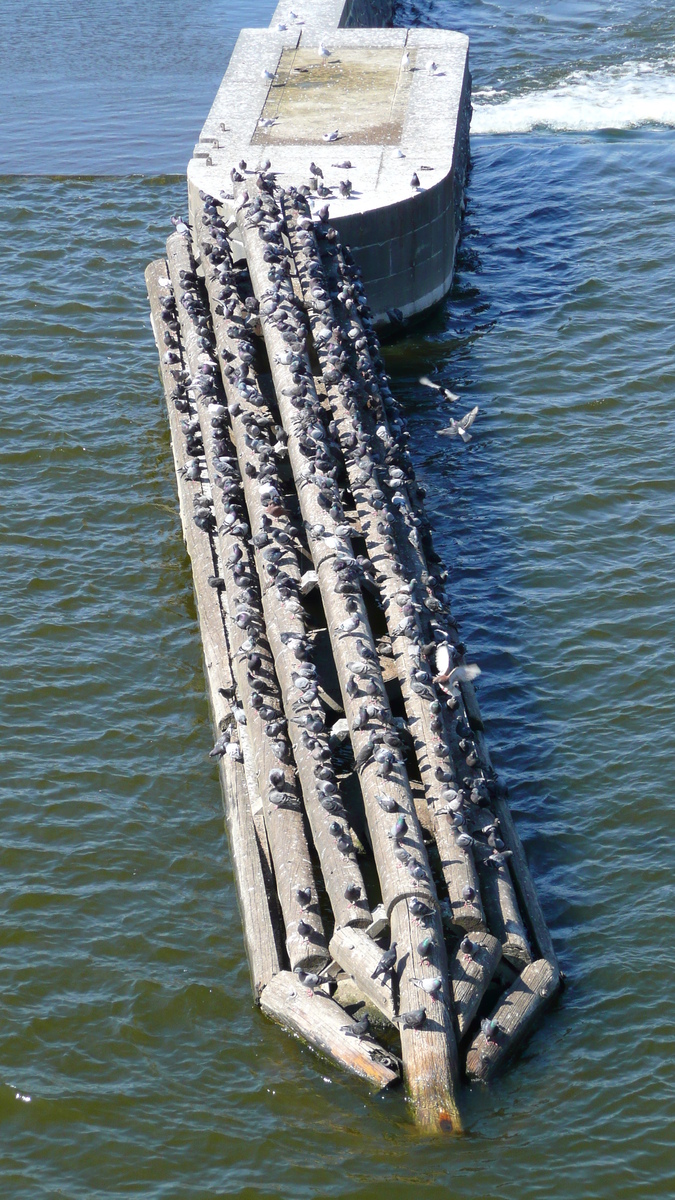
point(327, 542)
point(519, 868)
point(359, 956)
point(470, 975)
point(513, 1019)
point(497, 889)
point(503, 913)
point(429, 1053)
point(262, 937)
point(433, 1092)
point(426, 726)
point(257, 689)
point(321, 1022)
point(248, 845)
point(285, 621)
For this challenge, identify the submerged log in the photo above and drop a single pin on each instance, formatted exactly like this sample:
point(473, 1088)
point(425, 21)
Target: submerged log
point(257, 687)
point(256, 894)
point(512, 1019)
point(470, 974)
point(321, 1022)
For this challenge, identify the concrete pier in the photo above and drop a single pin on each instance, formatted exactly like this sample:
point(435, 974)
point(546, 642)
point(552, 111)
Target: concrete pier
point(396, 103)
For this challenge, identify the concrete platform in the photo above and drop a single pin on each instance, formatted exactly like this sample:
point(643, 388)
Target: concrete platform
point(393, 115)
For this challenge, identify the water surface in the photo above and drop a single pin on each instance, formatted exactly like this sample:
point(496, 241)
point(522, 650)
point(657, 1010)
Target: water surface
point(132, 1062)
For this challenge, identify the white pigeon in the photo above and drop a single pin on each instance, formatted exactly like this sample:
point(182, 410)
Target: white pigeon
point(460, 428)
point(464, 673)
point(438, 387)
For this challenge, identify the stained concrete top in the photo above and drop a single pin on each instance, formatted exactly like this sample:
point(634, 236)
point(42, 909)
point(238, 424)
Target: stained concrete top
point(393, 116)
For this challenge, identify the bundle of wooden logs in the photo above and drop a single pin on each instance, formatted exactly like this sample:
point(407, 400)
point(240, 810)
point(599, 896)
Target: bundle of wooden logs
point(381, 881)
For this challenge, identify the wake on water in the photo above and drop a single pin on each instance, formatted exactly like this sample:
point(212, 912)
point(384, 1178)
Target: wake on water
point(622, 97)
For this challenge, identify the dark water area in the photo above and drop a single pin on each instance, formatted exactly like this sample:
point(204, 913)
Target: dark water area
point(132, 1062)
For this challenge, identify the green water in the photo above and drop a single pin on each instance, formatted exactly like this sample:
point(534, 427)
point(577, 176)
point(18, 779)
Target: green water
point(132, 1062)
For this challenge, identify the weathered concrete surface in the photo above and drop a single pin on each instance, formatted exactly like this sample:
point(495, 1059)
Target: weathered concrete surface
point(394, 115)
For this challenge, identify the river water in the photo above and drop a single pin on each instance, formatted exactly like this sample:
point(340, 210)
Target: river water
point(132, 1062)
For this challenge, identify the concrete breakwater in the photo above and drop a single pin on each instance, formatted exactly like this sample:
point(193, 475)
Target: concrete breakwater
point(396, 104)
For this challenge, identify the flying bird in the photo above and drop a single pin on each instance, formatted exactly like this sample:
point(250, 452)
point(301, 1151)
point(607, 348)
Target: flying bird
point(461, 428)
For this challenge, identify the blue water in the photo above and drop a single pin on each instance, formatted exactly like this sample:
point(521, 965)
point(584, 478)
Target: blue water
point(132, 1062)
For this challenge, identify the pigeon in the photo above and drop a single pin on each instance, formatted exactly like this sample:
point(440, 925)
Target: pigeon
point(309, 978)
point(413, 1019)
point(386, 963)
point(433, 986)
point(387, 802)
point(490, 1030)
point(358, 1030)
point(304, 929)
point(419, 909)
point(352, 893)
point(303, 896)
point(468, 947)
point(460, 428)
point(438, 387)
point(464, 673)
point(415, 181)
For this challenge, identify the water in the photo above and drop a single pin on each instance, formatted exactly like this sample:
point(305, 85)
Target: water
point(131, 1060)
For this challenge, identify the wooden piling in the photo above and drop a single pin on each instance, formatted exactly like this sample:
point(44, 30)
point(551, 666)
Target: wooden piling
point(359, 956)
point(433, 1092)
point(251, 863)
point(321, 1022)
point(284, 821)
point(426, 727)
point(274, 524)
point(512, 1019)
point(470, 974)
point(284, 622)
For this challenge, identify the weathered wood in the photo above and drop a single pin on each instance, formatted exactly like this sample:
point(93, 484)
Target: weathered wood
point(470, 975)
point(285, 825)
point(503, 913)
point(519, 868)
point(326, 541)
point(359, 956)
point(430, 1066)
point(497, 889)
point(321, 1022)
point(513, 1019)
point(284, 617)
point(248, 846)
point(434, 1102)
point(262, 938)
point(376, 519)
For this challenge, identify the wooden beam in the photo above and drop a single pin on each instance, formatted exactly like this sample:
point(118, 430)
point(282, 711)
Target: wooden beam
point(513, 1018)
point(284, 619)
point(258, 689)
point(321, 1022)
point(470, 974)
point(248, 844)
point(435, 1105)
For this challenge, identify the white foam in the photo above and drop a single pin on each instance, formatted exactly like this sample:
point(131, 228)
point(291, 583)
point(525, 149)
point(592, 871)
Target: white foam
point(620, 97)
